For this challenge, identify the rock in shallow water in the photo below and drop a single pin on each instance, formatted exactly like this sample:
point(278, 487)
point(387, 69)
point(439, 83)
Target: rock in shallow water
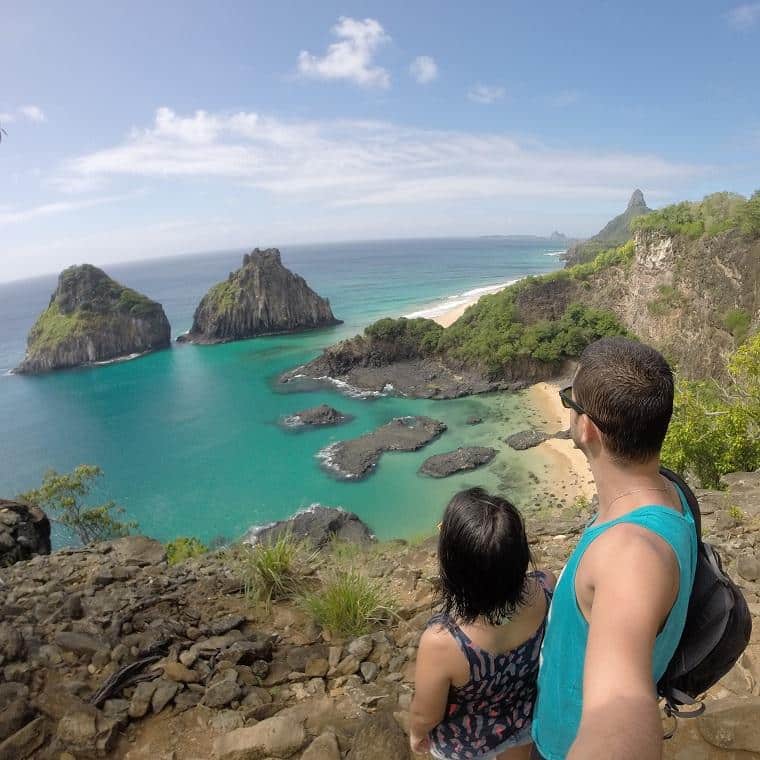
point(443, 465)
point(358, 457)
point(316, 416)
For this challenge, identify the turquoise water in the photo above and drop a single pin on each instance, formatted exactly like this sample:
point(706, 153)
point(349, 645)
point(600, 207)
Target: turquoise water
point(189, 439)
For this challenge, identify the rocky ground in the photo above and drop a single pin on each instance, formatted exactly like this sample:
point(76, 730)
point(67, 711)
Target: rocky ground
point(106, 651)
point(415, 378)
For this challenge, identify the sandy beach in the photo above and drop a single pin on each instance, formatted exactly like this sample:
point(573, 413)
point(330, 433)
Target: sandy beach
point(568, 472)
point(449, 316)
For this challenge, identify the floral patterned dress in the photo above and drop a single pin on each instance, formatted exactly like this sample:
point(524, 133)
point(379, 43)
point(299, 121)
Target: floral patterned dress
point(493, 710)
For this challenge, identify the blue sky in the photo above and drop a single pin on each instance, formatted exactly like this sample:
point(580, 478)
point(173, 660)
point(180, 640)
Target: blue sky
point(147, 129)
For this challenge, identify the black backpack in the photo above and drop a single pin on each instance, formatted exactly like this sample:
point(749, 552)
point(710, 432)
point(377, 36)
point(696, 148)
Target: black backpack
point(717, 630)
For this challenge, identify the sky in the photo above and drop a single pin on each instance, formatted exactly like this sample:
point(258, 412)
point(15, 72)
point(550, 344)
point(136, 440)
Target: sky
point(143, 129)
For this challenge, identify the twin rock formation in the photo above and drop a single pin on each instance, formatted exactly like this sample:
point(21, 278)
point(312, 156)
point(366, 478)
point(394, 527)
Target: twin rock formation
point(92, 318)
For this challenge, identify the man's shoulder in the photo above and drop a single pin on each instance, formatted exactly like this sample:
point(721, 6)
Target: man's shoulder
point(630, 551)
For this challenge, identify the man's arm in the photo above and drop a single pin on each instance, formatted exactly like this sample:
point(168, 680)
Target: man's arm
point(635, 582)
point(431, 687)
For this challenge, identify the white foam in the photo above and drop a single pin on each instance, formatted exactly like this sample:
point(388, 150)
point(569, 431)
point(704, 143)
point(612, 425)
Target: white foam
point(120, 359)
point(346, 388)
point(555, 253)
point(327, 457)
point(458, 300)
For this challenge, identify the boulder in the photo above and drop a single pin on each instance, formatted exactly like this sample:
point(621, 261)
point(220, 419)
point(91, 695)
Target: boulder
point(271, 738)
point(24, 532)
point(732, 724)
point(318, 525)
point(379, 738)
point(324, 747)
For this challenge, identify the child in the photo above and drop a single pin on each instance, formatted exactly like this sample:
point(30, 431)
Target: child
point(477, 663)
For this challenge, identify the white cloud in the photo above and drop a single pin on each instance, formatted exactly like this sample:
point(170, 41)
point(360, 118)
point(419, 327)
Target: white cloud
point(362, 163)
point(352, 57)
point(13, 216)
point(33, 113)
point(744, 16)
point(424, 69)
point(485, 94)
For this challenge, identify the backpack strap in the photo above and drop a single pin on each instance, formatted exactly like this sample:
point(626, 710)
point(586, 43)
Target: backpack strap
point(691, 499)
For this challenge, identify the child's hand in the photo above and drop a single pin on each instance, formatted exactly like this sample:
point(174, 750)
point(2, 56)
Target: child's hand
point(419, 744)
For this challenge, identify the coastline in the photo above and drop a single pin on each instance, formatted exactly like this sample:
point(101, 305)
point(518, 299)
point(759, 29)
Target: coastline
point(448, 312)
point(568, 470)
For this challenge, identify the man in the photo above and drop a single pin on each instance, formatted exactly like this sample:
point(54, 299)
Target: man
point(620, 605)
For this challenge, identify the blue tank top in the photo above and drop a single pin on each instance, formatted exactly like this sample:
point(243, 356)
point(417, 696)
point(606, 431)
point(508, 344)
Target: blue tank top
point(560, 682)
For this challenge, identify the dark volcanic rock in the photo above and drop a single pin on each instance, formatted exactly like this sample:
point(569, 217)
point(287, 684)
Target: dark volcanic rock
point(474, 420)
point(24, 532)
point(260, 298)
point(316, 416)
point(526, 439)
point(443, 465)
point(92, 318)
point(357, 457)
point(318, 524)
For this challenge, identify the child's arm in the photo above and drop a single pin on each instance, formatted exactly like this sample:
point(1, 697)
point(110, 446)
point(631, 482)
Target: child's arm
point(431, 687)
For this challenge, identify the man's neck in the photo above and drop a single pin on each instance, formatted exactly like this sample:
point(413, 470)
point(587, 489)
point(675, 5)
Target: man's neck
point(623, 487)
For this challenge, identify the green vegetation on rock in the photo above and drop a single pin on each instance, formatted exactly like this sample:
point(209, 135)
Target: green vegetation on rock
point(183, 548)
point(53, 327)
point(224, 296)
point(715, 214)
point(738, 322)
point(63, 497)
point(348, 603)
point(716, 430)
point(418, 335)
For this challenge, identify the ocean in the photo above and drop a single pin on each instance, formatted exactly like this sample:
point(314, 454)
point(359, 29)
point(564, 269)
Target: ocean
point(190, 440)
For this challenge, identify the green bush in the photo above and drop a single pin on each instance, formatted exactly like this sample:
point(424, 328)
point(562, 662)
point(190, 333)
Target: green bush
point(716, 430)
point(63, 496)
point(737, 322)
point(183, 548)
point(348, 603)
point(272, 570)
point(409, 336)
point(715, 214)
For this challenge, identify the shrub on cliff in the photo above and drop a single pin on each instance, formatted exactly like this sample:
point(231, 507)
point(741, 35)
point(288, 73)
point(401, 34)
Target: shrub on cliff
point(348, 603)
point(183, 548)
point(271, 570)
point(716, 213)
point(716, 430)
point(63, 498)
point(408, 336)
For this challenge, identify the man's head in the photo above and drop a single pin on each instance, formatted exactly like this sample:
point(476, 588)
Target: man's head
point(625, 389)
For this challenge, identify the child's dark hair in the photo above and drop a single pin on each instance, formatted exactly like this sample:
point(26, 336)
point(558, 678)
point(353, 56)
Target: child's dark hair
point(484, 556)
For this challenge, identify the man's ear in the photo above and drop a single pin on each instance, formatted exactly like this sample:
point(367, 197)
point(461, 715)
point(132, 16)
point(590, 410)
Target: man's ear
point(589, 434)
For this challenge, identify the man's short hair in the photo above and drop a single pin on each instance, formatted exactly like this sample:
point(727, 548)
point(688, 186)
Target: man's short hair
point(628, 387)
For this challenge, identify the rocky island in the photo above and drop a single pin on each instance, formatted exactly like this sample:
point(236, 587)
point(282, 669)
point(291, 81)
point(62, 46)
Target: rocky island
point(316, 416)
point(92, 318)
point(358, 457)
point(260, 298)
point(461, 460)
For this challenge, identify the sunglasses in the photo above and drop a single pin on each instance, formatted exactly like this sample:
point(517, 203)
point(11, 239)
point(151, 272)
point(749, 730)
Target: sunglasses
point(566, 397)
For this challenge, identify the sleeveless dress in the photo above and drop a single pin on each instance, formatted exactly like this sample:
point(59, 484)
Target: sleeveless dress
point(560, 683)
point(492, 711)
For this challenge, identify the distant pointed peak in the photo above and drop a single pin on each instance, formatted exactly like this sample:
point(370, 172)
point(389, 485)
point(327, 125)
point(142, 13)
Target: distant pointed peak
point(637, 199)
